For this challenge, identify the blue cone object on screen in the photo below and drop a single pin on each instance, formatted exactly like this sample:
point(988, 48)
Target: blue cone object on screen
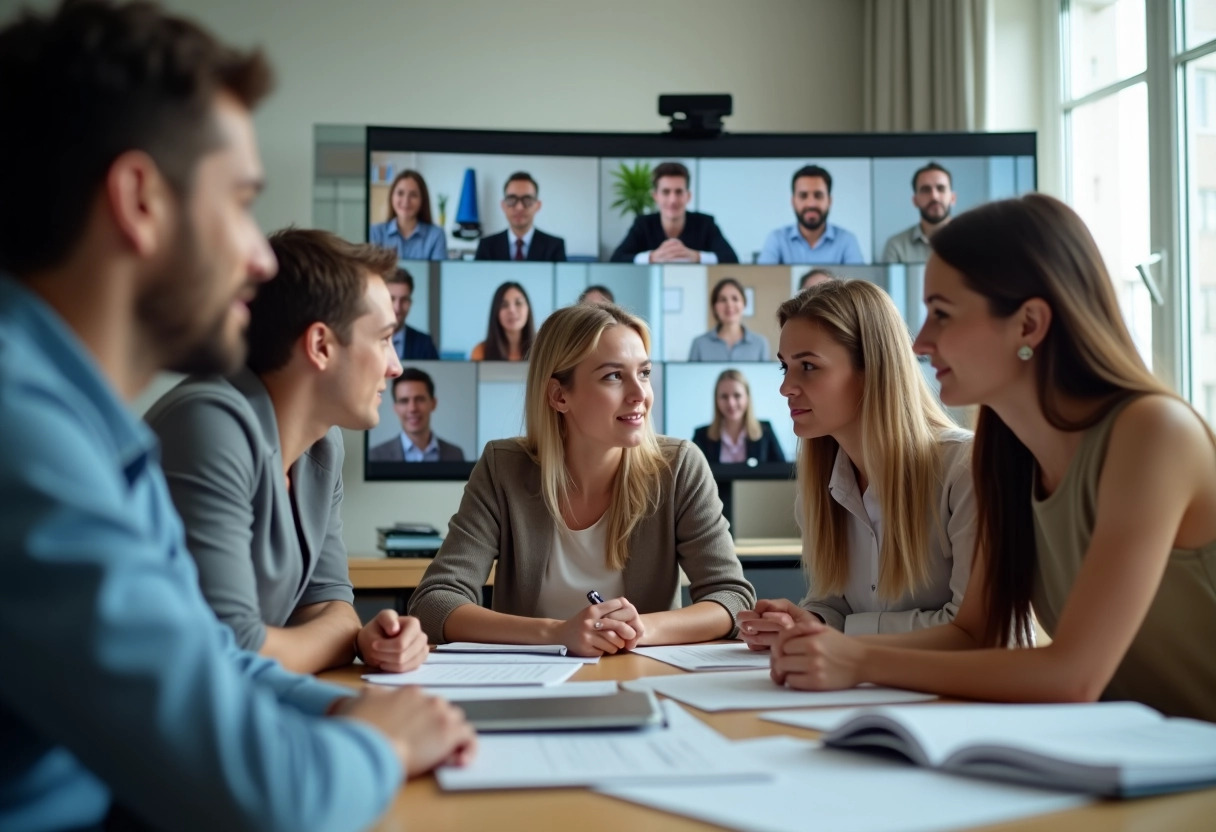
point(466, 213)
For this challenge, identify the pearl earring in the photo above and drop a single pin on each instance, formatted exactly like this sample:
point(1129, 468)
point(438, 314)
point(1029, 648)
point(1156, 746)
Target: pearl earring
point(1025, 352)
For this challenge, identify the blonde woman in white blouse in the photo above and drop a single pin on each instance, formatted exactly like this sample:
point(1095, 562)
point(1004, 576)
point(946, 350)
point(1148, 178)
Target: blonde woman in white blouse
point(885, 497)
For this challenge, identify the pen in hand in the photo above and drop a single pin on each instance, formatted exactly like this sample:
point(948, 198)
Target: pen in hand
point(593, 597)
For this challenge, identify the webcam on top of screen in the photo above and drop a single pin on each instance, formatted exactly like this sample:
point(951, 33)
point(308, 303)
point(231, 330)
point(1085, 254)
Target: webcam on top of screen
point(696, 115)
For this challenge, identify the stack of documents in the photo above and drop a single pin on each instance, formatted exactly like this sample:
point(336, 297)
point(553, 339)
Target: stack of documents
point(687, 750)
point(708, 656)
point(754, 690)
point(478, 675)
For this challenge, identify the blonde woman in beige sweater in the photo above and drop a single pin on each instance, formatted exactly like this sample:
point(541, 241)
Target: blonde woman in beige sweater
point(590, 499)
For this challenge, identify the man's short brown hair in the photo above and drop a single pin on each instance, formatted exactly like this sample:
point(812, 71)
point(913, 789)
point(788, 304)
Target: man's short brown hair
point(88, 83)
point(670, 169)
point(321, 278)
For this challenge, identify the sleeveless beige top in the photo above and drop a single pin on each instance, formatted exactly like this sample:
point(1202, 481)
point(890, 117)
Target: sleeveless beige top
point(1171, 664)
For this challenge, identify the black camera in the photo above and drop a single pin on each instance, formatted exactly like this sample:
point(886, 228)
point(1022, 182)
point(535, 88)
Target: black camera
point(696, 115)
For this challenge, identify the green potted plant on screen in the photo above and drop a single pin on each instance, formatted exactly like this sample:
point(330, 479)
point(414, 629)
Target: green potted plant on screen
point(632, 187)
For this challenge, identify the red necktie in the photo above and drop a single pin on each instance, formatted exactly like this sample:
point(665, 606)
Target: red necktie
point(519, 249)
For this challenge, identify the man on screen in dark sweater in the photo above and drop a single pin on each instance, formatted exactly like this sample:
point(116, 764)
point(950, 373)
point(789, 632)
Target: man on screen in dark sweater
point(522, 240)
point(674, 234)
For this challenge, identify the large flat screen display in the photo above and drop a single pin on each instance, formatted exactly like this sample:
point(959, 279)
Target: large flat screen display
point(589, 191)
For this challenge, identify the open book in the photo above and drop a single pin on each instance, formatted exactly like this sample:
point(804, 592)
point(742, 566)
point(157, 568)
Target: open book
point(1107, 748)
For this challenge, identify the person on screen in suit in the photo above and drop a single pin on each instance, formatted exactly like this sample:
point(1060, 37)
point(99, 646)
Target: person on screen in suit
point(410, 344)
point(414, 401)
point(814, 277)
point(674, 234)
point(590, 498)
point(254, 461)
point(735, 434)
point(596, 294)
point(124, 703)
point(730, 340)
point(884, 490)
point(510, 332)
point(934, 197)
point(1095, 489)
point(522, 240)
point(409, 229)
point(811, 239)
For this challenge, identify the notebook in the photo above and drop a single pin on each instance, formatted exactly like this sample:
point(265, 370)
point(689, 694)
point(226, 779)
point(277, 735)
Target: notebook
point(1117, 749)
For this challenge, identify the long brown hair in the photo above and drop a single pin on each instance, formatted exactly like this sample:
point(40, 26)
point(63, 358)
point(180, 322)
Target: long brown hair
point(497, 348)
point(901, 428)
point(565, 339)
point(1010, 252)
point(424, 210)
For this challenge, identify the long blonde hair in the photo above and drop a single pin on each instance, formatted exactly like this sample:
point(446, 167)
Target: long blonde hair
point(901, 426)
point(565, 340)
point(750, 424)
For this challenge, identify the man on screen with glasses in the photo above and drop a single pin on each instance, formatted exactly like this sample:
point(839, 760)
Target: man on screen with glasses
point(522, 240)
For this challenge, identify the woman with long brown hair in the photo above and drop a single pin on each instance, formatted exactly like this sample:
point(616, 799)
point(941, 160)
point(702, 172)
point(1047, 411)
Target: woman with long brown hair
point(511, 329)
point(409, 229)
point(1095, 489)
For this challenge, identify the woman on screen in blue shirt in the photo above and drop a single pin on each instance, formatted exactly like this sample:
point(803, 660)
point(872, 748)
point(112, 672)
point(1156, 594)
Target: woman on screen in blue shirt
point(409, 228)
point(885, 497)
point(735, 434)
point(729, 340)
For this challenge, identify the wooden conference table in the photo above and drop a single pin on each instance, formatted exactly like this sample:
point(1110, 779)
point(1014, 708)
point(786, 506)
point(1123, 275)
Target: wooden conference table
point(420, 805)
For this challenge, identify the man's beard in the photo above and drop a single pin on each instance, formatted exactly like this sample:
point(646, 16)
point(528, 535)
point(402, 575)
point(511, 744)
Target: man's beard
point(931, 220)
point(169, 314)
point(823, 218)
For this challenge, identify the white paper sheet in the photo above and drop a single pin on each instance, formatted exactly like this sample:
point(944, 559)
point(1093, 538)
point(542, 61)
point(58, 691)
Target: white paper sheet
point(686, 750)
point(478, 675)
point(531, 692)
point(708, 656)
point(845, 792)
point(753, 690)
point(481, 647)
point(508, 658)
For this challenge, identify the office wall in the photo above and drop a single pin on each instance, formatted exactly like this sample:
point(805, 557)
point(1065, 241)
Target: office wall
point(1025, 83)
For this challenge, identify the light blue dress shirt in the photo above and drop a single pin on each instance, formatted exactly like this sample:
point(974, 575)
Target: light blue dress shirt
point(710, 347)
point(427, 241)
point(415, 454)
point(119, 683)
point(787, 245)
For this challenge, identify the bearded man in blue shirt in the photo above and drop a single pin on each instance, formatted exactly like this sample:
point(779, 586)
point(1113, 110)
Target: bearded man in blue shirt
point(139, 254)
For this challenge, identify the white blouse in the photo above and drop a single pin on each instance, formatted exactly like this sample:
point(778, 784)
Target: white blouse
point(859, 611)
point(576, 566)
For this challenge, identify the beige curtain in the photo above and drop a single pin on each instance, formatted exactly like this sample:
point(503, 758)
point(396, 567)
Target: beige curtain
point(927, 64)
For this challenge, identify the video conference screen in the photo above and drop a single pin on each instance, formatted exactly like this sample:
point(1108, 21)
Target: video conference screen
point(456, 394)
